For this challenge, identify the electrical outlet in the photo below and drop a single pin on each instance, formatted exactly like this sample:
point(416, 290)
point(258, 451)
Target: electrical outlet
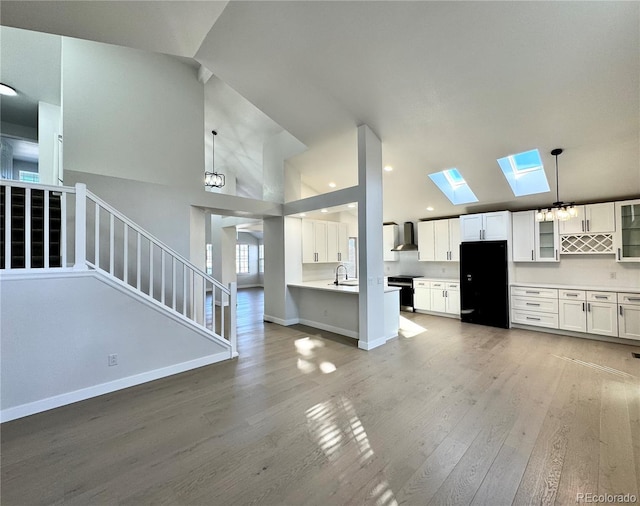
point(326, 313)
point(113, 360)
point(612, 275)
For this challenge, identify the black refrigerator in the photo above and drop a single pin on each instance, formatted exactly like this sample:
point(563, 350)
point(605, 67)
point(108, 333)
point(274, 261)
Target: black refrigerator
point(484, 283)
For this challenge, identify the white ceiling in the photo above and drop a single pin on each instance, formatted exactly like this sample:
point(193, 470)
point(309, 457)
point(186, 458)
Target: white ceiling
point(444, 84)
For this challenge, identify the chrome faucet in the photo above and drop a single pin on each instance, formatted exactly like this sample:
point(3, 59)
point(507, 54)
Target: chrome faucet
point(346, 275)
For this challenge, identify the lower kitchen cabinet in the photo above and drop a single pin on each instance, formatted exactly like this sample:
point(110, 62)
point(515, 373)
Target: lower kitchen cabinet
point(437, 296)
point(629, 315)
point(602, 313)
point(534, 306)
point(422, 295)
point(572, 310)
point(602, 316)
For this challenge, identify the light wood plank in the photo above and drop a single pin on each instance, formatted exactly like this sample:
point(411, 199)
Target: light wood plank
point(458, 413)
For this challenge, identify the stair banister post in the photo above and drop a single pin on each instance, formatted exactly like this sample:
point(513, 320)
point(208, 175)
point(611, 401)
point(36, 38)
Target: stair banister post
point(233, 338)
point(81, 227)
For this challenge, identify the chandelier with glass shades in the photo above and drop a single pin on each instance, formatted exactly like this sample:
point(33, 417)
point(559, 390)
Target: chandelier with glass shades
point(213, 179)
point(559, 211)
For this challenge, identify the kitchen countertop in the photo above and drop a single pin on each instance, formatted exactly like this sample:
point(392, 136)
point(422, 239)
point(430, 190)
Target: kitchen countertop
point(327, 285)
point(592, 288)
point(439, 280)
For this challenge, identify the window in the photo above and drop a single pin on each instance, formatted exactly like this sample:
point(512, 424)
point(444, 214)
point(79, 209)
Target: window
point(209, 259)
point(261, 258)
point(28, 177)
point(524, 173)
point(352, 264)
point(242, 259)
point(453, 185)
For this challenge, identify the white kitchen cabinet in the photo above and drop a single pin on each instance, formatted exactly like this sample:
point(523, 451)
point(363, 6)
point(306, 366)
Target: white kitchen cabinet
point(523, 245)
point(337, 241)
point(445, 297)
point(534, 306)
point(602, 316)
point(629, 315)
point(591, 219)
point(453, 298)
point(627, 236)
point(314, 241)
point(454, 240)
point(438, 298)
point(439, 240)
point(534, 241)
point(422, 294)
point(573, 310)
point(389, 241)
point(426, 241)
point(494, 226)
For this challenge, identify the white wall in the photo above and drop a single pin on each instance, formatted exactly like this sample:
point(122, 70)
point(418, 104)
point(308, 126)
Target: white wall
point(409, 265)
point(598, 270)
point(65, 349)
point(49, 127)
point(132, 114)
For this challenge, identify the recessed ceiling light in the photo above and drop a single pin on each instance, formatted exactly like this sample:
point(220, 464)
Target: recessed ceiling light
point(429, 208)
point(388, 168)
point(351, 206)
point(7, 90)
point(323, 211)
point(332, 185)
point(302, 215)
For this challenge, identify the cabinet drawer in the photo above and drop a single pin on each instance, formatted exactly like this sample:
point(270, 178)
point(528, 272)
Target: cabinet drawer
point(456, 286)
point(438, 284)
point(533, 304)
point(549, 320)
point(421, 283)
point(543, 293)
point(572, 294)
point(629, 298)
point(602, 297)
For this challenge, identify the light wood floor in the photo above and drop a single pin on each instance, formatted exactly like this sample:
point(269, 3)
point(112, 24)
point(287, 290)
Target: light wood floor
point(457, 414)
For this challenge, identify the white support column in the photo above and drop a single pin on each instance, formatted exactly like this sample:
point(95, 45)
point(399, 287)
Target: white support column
point(233, 338)
point(81, 228)
point(371, 297)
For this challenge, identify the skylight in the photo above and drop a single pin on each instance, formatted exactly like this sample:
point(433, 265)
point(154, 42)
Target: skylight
point(524, 173)
point(453, 185)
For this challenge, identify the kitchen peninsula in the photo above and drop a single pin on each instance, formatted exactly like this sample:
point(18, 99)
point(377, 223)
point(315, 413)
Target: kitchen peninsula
point(323, 305)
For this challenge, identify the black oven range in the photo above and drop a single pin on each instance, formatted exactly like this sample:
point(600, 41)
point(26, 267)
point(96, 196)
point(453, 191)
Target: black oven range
point(405, 283)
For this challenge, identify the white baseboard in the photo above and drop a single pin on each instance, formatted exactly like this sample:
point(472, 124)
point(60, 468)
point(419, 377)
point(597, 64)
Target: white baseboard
point(280, 321)
point(437, 313)
point(329, 328)
point(39, 406)
point(370, 345)
point(250, 286)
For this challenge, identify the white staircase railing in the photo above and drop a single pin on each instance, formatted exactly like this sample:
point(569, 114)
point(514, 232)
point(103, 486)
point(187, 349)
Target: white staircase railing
point(105, 240)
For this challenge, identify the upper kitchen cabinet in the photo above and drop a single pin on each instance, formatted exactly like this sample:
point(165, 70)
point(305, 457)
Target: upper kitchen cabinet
point(494, 226)
point(314, 241)
point(337, 241)
point(389, 241)
point(439, 240)
point(591, 219)
point(534, 241)
point(627, 236)
point(426, 238)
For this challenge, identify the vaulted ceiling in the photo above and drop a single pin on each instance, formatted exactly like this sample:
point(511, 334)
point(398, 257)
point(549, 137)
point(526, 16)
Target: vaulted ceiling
point(443, 84)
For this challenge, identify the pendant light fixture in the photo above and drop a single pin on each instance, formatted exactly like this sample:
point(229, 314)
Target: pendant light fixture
point(213, 179)
point(560, 211)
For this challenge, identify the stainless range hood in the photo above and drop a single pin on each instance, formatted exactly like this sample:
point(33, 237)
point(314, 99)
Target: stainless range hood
point(408, 244)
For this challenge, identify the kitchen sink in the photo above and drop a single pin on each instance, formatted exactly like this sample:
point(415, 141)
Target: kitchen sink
point(347, 282)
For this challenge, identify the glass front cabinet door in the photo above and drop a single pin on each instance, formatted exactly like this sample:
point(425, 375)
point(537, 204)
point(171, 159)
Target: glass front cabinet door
point(628, 231)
